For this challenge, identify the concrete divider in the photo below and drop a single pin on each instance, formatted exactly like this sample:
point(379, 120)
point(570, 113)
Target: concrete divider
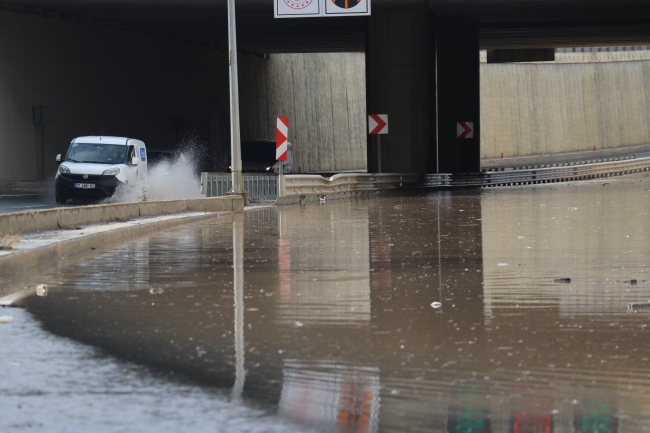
point(305, 188)
point(91, 245)
point(70, 217)
point(215, 204)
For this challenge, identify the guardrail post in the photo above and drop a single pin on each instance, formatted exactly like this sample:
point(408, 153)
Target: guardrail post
point(204, 181)
point(280, 179)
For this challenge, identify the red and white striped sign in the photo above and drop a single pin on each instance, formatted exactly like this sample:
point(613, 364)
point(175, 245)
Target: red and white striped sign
point(378, 124)
point(465, 130)
point(281, 135)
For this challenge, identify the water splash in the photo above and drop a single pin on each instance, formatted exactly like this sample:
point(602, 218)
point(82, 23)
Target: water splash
point(174, 179)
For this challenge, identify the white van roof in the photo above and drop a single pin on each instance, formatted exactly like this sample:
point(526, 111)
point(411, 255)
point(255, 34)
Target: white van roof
point(100, 139)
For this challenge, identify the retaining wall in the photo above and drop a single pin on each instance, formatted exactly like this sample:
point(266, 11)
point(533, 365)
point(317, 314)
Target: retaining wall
point(531, 109)
point(324, 96)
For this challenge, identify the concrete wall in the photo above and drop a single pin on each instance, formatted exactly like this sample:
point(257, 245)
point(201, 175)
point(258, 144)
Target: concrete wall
point(400, 71)
point(98, 79)
point(529, 109)
point(324, 96)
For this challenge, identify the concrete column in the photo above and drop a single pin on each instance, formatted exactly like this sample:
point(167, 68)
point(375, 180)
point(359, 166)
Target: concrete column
point(400, 77)
point(458, 75)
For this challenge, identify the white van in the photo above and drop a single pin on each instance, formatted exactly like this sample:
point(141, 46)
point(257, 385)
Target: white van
point(96, 166)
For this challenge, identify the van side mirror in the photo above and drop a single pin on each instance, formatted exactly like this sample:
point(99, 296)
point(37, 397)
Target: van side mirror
point(134, 160)
point(58, 158)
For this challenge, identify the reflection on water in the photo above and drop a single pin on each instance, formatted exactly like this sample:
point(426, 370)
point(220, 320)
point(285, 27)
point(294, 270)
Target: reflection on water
point(323, 266)
point(330, 396)
point(322, 314)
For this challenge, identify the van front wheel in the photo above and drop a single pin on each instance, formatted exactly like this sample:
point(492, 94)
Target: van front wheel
point(60, 198)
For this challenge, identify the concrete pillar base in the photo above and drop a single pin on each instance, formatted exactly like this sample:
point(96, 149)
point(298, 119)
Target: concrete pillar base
point(243, 195)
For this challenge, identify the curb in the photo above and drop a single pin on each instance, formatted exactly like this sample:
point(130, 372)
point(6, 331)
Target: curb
point(24, 259)
point(53, 219)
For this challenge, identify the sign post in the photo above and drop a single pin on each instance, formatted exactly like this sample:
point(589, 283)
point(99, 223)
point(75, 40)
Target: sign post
point(235, 141)
point(281, 146)
point(378, 125)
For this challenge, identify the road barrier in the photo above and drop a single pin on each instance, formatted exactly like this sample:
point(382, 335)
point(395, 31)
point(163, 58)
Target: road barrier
point(306, 187)
point(71, 217)
point(550, 173)
point(302, 188)
point(258, 186)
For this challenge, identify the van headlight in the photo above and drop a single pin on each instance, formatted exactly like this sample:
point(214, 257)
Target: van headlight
point(63, 169)
point(111, 172)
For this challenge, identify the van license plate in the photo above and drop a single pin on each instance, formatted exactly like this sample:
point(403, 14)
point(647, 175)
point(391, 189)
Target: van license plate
point(84, 185)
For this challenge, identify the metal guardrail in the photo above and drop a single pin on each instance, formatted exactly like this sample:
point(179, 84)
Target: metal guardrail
point(301, 187)
point(550, 173)
point(265, 187)
point(258, 186)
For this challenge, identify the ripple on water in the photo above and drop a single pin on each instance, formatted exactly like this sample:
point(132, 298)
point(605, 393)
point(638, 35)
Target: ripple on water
point(325, 318)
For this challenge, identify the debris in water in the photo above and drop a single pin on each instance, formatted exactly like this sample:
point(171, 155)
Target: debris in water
point(62, 227)
point(41, 290)
point(299, 324)
point(436, 304)
point(633, 306)
point(502, 264)
point(631, 282)
point(6, 319)
point(562, 280)
point(154, 291)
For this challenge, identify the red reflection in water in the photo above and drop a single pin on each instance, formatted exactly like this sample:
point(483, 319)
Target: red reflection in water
point(284, 272)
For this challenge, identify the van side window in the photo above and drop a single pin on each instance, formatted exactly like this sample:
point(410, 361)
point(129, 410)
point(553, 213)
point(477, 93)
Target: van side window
point(131, 153)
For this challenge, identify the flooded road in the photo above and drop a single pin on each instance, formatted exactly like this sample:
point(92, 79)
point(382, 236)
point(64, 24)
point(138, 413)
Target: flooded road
point(497, 310)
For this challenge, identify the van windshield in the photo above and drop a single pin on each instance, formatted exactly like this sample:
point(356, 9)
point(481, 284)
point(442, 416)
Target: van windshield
point(258, 151)
point(97, 153)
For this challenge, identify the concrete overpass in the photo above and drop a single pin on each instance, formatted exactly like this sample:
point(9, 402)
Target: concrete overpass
point(422, 58)
point(500, 23)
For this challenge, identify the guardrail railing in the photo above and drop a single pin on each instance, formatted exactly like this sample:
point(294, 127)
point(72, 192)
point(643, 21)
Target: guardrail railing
point(550, 173)
point(303, 187)
point(258, 186)
point(300, 186)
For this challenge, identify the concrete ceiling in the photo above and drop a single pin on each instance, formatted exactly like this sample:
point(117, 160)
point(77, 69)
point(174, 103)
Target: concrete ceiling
point(504, 23)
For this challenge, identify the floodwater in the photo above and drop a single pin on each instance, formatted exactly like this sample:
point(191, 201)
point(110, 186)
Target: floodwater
point(320, 318)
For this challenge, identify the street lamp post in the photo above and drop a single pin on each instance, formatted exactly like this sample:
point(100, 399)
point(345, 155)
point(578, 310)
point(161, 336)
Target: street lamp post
point(235, 140)
point(238, 283)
